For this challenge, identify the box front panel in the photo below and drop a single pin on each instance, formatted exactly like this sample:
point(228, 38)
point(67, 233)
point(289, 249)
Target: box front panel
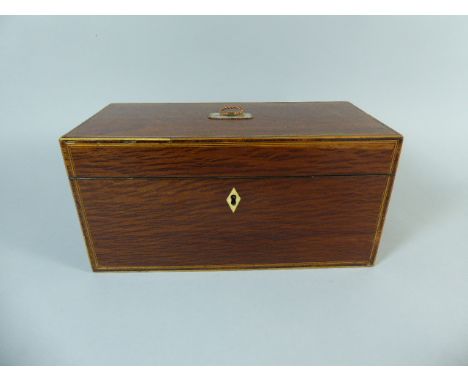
point(187, 223)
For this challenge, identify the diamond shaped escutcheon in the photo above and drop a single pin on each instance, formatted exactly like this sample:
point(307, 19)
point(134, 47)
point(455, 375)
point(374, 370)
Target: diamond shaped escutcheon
point(233, 200)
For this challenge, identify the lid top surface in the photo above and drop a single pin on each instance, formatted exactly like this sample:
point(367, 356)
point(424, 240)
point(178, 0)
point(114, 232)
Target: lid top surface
point(270, 119)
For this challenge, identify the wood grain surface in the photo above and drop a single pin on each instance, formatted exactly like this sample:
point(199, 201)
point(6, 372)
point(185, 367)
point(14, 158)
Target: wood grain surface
point(271, 119)
point(150, 182)
point(246, 159)
point(186, 223)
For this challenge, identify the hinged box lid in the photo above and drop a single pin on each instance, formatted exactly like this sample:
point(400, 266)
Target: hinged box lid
point(277, 139)
point(270, 120)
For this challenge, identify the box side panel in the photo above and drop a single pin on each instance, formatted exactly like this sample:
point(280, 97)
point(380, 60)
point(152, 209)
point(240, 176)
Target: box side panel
point(386, 200)
point(78, 203)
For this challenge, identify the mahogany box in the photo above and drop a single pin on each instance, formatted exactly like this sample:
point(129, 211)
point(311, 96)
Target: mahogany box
point(205, 186)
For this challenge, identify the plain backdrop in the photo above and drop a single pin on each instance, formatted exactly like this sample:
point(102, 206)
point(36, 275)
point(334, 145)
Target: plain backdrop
point(411, 308)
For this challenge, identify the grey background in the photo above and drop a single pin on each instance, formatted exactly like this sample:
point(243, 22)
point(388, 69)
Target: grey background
point(411, 308)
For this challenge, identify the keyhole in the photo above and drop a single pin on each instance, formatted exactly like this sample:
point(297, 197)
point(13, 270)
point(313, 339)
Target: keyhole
point(233, 200)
